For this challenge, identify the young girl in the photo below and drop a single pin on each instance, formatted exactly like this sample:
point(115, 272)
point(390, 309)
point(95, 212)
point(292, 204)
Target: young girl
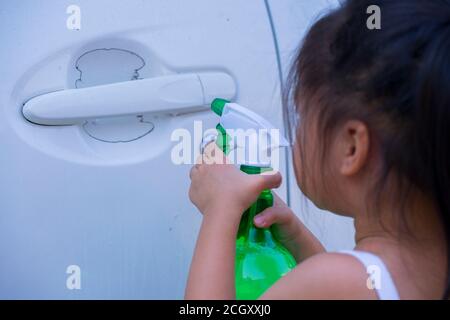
point(372, 142)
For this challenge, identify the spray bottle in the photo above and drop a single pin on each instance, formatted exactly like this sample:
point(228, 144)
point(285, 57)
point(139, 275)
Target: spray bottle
point(260, 259)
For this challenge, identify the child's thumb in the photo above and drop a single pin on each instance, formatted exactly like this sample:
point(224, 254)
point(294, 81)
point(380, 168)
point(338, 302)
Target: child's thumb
point(268, 180)
point(270, 216)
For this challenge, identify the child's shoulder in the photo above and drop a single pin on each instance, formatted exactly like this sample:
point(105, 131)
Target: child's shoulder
point(324, 276)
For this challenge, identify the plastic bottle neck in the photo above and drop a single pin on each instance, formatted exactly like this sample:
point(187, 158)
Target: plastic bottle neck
point(247, 229)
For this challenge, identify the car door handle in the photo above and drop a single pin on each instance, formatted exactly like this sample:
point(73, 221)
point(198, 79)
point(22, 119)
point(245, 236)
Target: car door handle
point(171, 94)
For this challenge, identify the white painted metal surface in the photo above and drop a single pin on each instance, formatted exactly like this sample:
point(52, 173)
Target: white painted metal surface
point(118, 210)
point(105, 195)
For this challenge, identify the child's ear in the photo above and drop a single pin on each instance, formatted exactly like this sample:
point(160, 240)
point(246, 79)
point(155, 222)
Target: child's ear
point(354, 147)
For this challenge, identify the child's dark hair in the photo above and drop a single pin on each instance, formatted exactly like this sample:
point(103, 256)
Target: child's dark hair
point(395, 79)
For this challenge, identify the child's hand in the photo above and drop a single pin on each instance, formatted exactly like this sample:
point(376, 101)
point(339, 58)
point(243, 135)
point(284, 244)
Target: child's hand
point(286, 226)
point(216, 186)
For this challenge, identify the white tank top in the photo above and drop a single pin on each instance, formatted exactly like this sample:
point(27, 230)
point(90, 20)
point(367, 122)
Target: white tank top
point(379, 277)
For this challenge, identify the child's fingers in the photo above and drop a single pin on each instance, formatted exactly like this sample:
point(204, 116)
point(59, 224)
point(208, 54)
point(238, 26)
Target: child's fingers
point(267, 180)
point(209, 155)
point(199, 160)
point(213, 155)
point(272, 215)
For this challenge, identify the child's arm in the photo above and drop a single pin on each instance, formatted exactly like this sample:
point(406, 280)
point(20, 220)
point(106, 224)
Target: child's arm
point(212, 269)
point(222, 193)
point(289, 230)
point(324, 276)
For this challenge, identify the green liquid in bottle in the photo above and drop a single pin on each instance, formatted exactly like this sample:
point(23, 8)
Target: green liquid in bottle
point(260, 259)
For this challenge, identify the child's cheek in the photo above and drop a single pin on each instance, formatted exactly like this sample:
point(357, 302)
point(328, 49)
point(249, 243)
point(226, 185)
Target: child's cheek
point(306, 166)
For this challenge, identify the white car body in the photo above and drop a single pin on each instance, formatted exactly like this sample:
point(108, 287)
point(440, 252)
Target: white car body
point(102, 198)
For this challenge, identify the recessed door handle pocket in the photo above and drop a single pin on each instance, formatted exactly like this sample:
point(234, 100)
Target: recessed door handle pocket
point(171, 94)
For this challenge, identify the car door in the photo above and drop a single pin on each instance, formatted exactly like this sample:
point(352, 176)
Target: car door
point(92, 204)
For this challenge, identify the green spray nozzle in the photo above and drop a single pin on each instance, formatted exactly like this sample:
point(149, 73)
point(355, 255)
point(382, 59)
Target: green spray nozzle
point(223, 139)
point(217, 106)
point(238, 120)
point(222, 142)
